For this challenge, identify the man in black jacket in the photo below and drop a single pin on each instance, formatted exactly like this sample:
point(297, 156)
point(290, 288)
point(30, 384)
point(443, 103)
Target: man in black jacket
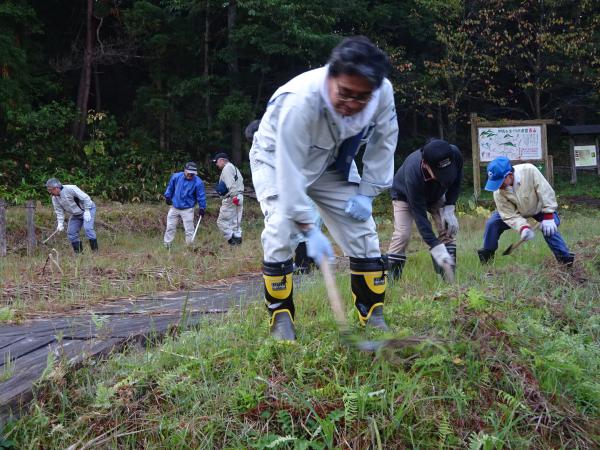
point(428, 181)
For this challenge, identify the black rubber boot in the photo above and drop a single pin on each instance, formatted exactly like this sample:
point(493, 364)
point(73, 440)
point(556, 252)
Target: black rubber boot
point(396, 262)
point(452, 250)
point(94, 245)
point(77, 246)
point(234, 241)
point(303, 263)
point(567, 260)
point(368, 282)
point(279, 290)
point(485, 256)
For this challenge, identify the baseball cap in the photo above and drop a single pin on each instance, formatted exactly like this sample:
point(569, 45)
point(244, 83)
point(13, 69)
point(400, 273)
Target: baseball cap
point(219, 156)
point(439, 155)
point(191, 167)
point(497, 171)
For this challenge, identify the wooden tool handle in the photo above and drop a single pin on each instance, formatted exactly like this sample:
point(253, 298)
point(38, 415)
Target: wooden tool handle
point(335, 300)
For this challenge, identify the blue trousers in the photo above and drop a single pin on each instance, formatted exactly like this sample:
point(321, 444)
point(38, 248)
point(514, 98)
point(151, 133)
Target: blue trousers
point(75, 224)
point(495, 226)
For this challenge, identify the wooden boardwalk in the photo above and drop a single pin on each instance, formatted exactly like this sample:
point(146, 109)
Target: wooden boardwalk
point(26, 349)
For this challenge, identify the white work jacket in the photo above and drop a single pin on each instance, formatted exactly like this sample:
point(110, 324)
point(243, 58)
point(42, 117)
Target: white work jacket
point(298, 139)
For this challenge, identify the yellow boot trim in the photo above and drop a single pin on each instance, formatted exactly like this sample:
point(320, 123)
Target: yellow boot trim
point(277, 288)
point(363, 320)
point(277, 312)
point(375, 281)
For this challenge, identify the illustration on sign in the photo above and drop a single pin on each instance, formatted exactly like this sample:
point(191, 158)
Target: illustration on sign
point(516, 143)
point(585, 155)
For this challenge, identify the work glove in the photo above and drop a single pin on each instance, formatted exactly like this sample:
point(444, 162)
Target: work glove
point(549, 227)
point(317, 245)
point(441, 256)
point(168, 201)
point(201, 212)
point(60, 227)
point(449, 220)
point(359, 207)
point(527, 233)
point(236, 201)
point(87, 216)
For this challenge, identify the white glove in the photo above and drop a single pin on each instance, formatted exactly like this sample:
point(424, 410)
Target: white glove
point(87, 216)
point(60, 227)
point(527, 234)
point(441, 256)
point(449, 219)
point(549, 227)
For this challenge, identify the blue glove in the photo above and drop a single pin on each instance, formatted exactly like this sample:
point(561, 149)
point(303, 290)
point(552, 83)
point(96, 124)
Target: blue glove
point(317, 245)
point(359, 207)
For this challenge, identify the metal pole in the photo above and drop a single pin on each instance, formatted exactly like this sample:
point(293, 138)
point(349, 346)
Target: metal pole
point(196, 230)
point(2, 227)
point(31, 240)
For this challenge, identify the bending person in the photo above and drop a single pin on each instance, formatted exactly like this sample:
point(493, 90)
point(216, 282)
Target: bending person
point(304, 148)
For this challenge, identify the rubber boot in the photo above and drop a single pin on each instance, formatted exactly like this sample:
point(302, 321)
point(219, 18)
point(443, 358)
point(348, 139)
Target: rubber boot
point(567, 260)
point(485, 256)
point(302, 262)
point(368, 282)
point(77, 246)
point(452, 250)
point(279, 290)
point(94, 245)
point(396, 262)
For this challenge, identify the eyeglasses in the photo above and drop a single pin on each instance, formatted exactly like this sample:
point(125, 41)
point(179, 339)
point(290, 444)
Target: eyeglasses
point(344, 96)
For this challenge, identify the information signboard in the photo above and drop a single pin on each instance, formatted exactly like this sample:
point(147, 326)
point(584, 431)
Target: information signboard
point(517, 143)
point(585, 155)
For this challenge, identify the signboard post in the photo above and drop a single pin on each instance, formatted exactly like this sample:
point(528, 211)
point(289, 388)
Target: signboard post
point(520, 141)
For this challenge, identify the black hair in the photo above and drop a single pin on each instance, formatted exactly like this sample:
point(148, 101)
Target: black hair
point(357, 55)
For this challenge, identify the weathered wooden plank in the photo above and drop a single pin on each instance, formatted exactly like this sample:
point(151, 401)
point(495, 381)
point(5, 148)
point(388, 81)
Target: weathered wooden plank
point(15, 392)
point(23, 347)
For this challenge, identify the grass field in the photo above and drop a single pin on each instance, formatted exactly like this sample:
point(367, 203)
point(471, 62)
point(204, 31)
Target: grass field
point(509, 357)
point(132, 260)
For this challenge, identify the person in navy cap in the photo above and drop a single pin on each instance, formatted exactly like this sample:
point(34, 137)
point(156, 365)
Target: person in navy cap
point(428, 181)
point(521, 192)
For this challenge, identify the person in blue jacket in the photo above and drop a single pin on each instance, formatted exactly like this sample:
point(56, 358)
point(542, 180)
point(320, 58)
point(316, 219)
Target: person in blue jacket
point(184, 190)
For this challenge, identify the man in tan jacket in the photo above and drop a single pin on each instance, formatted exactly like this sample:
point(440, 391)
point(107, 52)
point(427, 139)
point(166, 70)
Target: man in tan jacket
point(521, 192)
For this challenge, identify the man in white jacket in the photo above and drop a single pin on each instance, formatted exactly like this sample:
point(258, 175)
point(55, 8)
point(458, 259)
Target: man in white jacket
point(304, 149)
point(521, 192)
point(231, 189)
point(69, 199)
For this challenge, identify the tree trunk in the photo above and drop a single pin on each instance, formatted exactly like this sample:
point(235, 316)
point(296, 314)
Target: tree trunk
point(236, 127)
point(83, 93)
point(206, 64)
point(440, 122)
point(97, 89)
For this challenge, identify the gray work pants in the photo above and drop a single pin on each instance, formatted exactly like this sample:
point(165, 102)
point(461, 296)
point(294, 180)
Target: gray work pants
point(230, 217)
point(330, 193)
point(187, 217)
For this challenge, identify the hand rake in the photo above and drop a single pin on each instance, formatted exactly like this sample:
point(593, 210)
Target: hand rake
point(512, 247)
point(348, 337)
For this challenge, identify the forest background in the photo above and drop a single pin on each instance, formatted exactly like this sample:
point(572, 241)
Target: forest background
point(114, 95)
